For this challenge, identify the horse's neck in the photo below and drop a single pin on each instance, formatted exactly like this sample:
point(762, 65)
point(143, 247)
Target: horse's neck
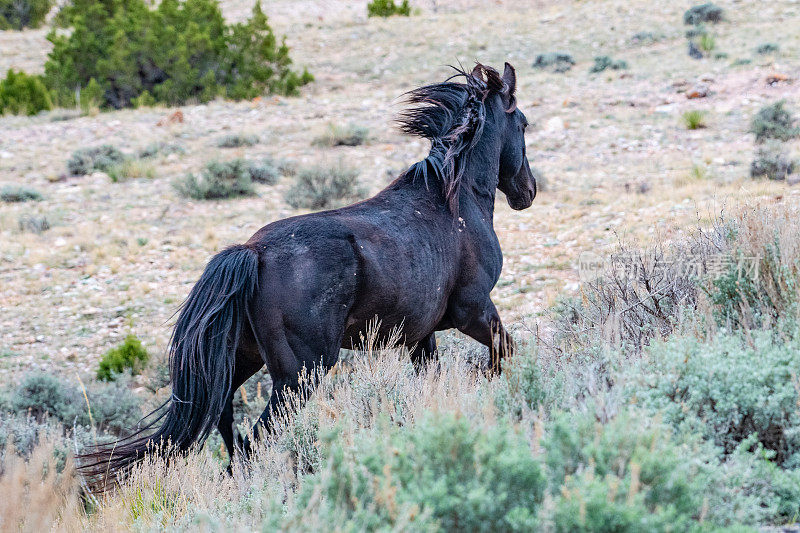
point(480, 184)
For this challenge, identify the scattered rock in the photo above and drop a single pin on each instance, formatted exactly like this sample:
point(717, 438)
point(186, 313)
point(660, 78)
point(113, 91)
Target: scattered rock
point(681, 86)
point(555, 124)
point(176, 117)
point(698, 91)
point(774, 78)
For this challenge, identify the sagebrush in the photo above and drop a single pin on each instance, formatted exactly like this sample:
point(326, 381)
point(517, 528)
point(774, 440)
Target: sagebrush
point(321, 187)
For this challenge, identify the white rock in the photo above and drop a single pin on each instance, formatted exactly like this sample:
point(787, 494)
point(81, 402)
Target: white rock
point(554, 124)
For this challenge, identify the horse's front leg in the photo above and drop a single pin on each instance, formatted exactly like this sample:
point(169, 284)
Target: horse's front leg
point(484, 325)
point(424, 352)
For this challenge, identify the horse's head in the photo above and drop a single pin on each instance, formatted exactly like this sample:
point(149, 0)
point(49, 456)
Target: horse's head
point(468, 125)
point(516, 179)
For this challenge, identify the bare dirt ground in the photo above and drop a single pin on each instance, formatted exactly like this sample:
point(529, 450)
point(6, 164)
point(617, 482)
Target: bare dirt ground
point(618, 163)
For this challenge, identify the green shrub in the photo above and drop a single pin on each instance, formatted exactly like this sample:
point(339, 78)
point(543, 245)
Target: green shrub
point(696, 31)
point(219, 179)
point(237, 140)
point(645, 37)
point(350, 135)
point(18, 193)
point(99, 158)
point(19, 14)
point(160, 148)
point(115, 409)
point(602, 63)
point(750, 488)
point(698, 14)
point(41, 395)
point(44, 399)
point(727, 389)
point(557, 61)
point(323, 187)
point(265, 171)
point(26, 432)
point(130, 355)
point(772, 162)
point(707, 42)
point(91, 97)
point(694, 119)
point(594, 504)
point(523, 385)
point(387, 8)
point(442, 473)
point(21, 94)
point(286, 167)
point(757, 277)
point(176, 52)
point(774, 122)
point(767, 48)
point(33, 223)
point(300, 436)
point(627, 474)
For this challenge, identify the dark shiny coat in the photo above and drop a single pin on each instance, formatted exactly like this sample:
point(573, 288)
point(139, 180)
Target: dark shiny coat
point(421, 255)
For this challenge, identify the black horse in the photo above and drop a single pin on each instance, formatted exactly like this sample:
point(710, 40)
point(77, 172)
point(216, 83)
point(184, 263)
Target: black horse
point(421, 255)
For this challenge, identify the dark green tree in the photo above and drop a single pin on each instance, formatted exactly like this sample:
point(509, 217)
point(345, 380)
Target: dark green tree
point(178, 52)
point(21, 94)
point(19, 14)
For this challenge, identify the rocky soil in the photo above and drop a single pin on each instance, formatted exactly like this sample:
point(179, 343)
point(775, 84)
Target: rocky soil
point(618, 162)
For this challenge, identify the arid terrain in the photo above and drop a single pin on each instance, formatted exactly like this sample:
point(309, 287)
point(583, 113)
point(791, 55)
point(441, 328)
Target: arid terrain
point(618, 163)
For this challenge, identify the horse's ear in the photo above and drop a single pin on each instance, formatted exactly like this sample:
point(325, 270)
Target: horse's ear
point(477, 72)
point(510, 78)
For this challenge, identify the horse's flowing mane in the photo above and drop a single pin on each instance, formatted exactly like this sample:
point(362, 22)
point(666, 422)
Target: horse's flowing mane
point(451, 116)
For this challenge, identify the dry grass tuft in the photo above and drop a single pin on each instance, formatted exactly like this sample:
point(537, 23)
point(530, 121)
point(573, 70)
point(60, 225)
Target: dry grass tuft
point(36, 496)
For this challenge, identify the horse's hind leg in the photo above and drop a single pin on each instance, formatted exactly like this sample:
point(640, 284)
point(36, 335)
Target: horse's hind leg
point(244, 368)
point(289, 355)
point(424, 352)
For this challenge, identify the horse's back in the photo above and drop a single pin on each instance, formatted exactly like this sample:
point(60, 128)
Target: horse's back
point(381, 258)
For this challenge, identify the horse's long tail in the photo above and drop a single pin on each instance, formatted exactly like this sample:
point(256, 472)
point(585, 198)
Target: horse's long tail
point(201, 358)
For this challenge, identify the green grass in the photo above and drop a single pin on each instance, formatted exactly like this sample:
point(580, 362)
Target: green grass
point(694, 119)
